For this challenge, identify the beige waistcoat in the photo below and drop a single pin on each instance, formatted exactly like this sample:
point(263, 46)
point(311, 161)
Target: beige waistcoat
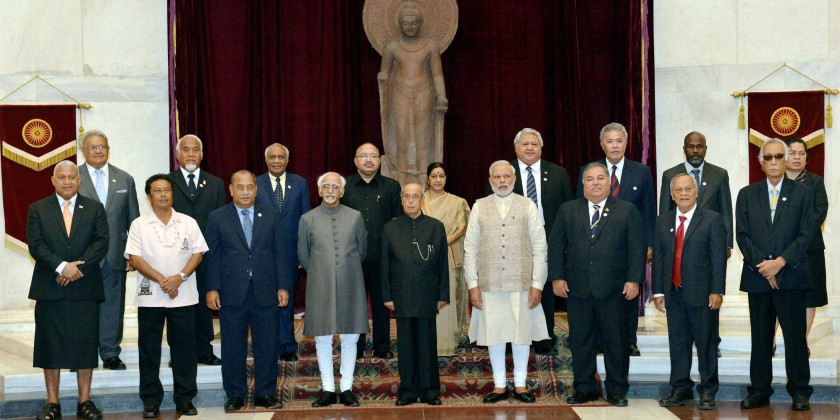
point(505, 261)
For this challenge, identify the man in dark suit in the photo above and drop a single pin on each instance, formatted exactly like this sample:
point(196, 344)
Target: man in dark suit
point(689, 279)
point(248, 278)
point(774, 222)
point(548, 186)
point(415, 285)
point(596, 259)
point(196, 194)
point(67, 236)
point(289, 195)
point(712, 189)
point(630, 181)
point(115, 190)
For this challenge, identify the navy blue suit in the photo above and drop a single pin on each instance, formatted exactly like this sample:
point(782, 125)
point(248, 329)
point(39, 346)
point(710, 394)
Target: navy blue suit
point(295, 204)
point(247, 279)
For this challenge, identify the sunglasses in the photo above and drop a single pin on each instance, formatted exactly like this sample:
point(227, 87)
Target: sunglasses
point(777, 156)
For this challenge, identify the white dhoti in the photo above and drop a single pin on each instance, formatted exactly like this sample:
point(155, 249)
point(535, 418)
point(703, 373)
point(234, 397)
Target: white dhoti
point(507, 319)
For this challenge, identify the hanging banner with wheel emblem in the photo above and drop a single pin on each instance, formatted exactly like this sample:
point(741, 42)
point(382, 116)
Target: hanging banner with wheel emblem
point(784, 115)
point(34, 138)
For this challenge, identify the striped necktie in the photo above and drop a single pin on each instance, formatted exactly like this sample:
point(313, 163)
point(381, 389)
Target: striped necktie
point(614, 185)
point(532, 186)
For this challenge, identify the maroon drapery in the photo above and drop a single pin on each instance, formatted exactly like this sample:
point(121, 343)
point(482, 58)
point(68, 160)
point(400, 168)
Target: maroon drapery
point(303, 73)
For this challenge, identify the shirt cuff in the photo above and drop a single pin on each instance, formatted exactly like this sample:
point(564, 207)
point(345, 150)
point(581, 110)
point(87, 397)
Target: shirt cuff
point(658, 295)
point(60, 268)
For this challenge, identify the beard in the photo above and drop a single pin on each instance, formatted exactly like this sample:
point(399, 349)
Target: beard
point(190, 167)
point(695, 160)
point(501, 193)
point(330, 199)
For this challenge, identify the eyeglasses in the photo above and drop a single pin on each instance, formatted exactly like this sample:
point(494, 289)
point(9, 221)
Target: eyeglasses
point(327, 187)
point(800, 153)
point(777, 156)
point(100, 147)
point(410, 197)
point(366, 156)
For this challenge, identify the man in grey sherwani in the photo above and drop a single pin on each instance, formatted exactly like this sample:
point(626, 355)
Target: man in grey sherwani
point(331, 247)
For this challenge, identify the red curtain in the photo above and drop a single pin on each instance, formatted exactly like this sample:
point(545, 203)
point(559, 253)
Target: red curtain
point(303, 73)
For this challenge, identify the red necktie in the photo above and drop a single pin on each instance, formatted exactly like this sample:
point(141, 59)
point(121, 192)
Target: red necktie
point(676, 277)
point(614, 185)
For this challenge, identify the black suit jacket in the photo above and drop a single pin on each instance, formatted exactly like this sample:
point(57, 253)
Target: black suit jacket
point(49, 245)
point(229, 261)
point(597, 266)
point(713, 192)
point(636, 187)
point(820, 210)
point(788, 235)
point(703, 265)
point(209, 195)
point(555, 188)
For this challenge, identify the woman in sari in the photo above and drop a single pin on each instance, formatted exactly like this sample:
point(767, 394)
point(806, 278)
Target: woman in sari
point(453, 211)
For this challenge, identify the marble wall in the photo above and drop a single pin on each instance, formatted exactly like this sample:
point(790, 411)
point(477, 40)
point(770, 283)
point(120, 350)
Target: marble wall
point(706, 50)
point(110, 53)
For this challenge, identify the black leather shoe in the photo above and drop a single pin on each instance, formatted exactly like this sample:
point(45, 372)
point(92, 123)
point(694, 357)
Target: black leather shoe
point(634, 351)
point(88, 411)
point(210, 360)
point(151, 412)
point(403, 401)
point(347, 398)
point(383, 355)
point(432, 400)
point(677, 399)
point(581, 398)
point(326, 398)
point(50, 411)
point(235, 404)
point(526, 397)
point(754, 401)
point(494, 397)
point(113, 363)
point(707, 401)
point(800, 403)
point(618, 400)
point(289, 356)
point(186, 409)
point(268, 402)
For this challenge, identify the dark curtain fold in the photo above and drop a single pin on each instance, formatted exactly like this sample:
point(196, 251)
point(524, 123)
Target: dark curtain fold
point(303, 73)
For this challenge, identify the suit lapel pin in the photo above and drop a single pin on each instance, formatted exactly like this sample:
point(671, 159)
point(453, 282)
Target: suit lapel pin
point(81, 206)
point(114, 180)
point(203, 183)
point(259, 214)
point(635, 188)
point(672, 230)
point(704, 183)
point(545, 179)
point(784, 198)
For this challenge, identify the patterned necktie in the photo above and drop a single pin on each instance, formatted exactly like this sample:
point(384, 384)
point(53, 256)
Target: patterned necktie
point(614, 185)
point(696, 174)
point(676, 276)
point(191, 184)
point(278, 194)
point(68, 217)
point(100, 186)
point(532, 186)
point(774, 199)
point(593, 223)
point(247, 227)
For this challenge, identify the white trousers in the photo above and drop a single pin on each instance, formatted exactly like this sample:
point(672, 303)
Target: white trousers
point(323, 349)
point(520, 364)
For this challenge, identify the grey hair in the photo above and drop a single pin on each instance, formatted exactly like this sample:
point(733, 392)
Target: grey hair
point(64, 163)
point(693, 181)
point(499, 163)
point(613, 126)
point(320, 181)
point(412, 183)
point(527, 131)
point(90, 133)
point(594, 165)
point(773, 140)
point(276, 144)
point(188, 136)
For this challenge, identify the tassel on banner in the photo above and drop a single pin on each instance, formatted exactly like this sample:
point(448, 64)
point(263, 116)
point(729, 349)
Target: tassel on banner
point(741, 124)
point(828, 118)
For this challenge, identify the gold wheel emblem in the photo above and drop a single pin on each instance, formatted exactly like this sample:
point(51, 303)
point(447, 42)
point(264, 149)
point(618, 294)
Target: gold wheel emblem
point(37, 133)
point(785, 121)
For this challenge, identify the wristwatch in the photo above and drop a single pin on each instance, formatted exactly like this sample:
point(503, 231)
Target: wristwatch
point(183, 276)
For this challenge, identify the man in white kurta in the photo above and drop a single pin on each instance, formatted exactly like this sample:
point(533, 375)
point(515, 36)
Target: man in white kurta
point(505, 267)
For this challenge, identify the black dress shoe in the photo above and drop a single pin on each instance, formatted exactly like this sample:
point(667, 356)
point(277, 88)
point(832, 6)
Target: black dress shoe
point(151, 412)
point(326, 398)
point(618, 400)
point(431, 400)
point(800, 403)
point(634, 351)
point(383, 354)
point(88, 411)
point(754, 401)
point(677, 399)
point(114, 363)
point(289, 356)
point(403, 401)
point(235, 404)
point(707, 401)
point(210, 360)
point(186, 409)
point(347, 398)
point(526, 397)
point(494, 397)
point(50, 411)
point(582, 398)
point(268, 402)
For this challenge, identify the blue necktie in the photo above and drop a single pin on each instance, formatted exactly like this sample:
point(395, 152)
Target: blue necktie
point(278, 194)
point(593, 223)
point(100, 186)
point(247, 226)
point(532, 186)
